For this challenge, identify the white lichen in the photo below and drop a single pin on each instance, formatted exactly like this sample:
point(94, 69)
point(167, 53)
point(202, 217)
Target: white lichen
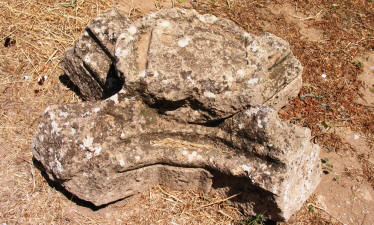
point(58, 166)
point(122, 36)
point(142, 73)
point(164, 23)
point(114, 98)
point(240, 72)
point(209, 94)
point(132, 30)
point(87, 142)
point(47, 109)
point(192, 156)
point(253, 47)
point(97, 150)
point(98, 30)
point(228, 93)
point(246, 168)
point(63, 114)
point(189, 78)
point(246, 35)
point(86, 114)
point(252, 81)
point(55, 128)
point(207, 18)
point(121, 52)
point(88, 155)
point(88, 60)
point(52, 116)
point(96, 110)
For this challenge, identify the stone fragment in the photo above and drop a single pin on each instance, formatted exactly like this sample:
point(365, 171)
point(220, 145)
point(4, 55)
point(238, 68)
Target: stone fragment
point(90, 62)
point(105, 151)
point(200, 68)
point(193, 114)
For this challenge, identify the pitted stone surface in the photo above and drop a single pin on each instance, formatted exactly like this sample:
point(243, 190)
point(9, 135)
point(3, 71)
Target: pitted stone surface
point(199, 68)
point(92, 148)
point(89, 63)
point(192, 114)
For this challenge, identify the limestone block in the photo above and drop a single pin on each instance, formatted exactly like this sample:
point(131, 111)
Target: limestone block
point(90, 62)
point(197, 110)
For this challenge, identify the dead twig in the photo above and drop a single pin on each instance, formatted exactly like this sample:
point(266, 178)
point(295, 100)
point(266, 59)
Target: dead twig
point(308, 18)
point(50, 57)
point(221, 200)
point(170, 195)
point(367, 106)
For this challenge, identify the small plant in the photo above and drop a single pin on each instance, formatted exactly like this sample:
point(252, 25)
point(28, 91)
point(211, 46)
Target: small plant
point(181, 1)
point(70, 5)
point(326, 167)
point(358, 64)
point(228, 4)
point(324, 124)
point(259, 219)
point(325, 160)
point(311, 208)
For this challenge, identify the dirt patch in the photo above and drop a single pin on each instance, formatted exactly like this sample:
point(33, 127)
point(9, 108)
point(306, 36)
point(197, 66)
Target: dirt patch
point(293, 16)
point(136, 8)
point(344, 192)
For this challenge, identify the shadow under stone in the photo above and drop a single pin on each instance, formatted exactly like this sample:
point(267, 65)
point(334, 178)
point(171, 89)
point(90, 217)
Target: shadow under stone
point(65, 80)
point(248, 193)
point(221, 182)
point(113, 83)
point(66, 193)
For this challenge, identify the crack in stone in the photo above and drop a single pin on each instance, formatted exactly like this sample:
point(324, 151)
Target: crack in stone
point(99, 43)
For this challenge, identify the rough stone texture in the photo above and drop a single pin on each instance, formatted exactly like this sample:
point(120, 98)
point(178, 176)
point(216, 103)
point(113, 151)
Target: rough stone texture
point(106, 151)
point(200, 69)
point(90, 62)
point(192, 114)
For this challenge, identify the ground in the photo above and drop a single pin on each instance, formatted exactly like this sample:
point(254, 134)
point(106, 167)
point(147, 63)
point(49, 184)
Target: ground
point(334, 40)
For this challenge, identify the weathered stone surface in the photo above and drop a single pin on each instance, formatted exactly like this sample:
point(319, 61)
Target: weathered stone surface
point(199, 68)
point(193, 114)
point(106, 151)
point(90, 62)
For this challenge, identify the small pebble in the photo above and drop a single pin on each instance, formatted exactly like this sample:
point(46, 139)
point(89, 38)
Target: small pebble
point(323, 76)
point(26, 77)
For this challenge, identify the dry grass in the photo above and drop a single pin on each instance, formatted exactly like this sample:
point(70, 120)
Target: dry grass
point(42, 30)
